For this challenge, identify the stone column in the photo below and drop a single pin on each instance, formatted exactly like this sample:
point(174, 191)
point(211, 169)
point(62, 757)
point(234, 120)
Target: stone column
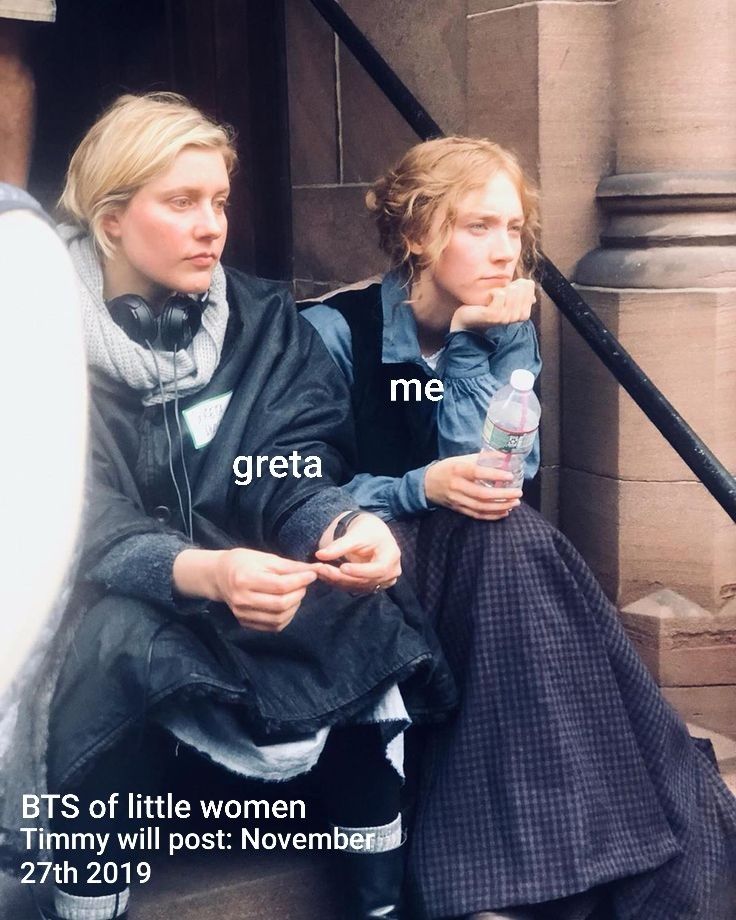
point(539, 76)
point(664, 280)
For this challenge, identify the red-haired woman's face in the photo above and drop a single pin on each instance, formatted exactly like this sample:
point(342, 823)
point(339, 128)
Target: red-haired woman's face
point(484, 246)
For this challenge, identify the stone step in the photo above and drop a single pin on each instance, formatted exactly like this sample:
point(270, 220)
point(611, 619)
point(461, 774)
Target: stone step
point(725, 750)
point(266, 886)
point(713, 707)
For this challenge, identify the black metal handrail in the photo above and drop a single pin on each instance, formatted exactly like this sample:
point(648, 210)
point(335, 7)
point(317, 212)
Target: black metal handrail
point(690, 447)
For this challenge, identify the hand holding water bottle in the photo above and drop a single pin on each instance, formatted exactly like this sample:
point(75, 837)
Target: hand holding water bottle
point(456, 483)
point(510, 429)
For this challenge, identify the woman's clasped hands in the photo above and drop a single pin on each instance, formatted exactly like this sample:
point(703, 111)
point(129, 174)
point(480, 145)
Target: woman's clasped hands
point(365, 559)
point(264, 591)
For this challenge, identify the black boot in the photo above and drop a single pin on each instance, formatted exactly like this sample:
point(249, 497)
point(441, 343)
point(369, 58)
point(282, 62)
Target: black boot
point(373, 882)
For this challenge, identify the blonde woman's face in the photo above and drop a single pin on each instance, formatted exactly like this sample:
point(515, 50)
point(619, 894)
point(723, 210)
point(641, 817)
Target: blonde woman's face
point(170, 235)
point(484, 246)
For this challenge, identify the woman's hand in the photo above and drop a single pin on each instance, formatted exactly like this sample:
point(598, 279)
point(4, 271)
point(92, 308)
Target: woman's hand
point(262, 590)
point(512, 304)
point(453, 483)
point(373, 558)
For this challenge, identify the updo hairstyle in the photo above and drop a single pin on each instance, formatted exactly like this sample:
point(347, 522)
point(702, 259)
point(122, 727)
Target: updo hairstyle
point(416, 202)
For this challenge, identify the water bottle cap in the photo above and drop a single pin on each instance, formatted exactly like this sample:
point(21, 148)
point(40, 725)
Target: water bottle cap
point(522, 380)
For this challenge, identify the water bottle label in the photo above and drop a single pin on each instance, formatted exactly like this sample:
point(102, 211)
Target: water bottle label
point(508, 442)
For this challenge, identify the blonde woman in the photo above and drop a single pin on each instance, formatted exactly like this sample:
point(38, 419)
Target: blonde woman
point(565, 788)
point(240, 619)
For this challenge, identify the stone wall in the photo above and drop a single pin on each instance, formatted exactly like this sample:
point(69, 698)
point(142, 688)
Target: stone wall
point(343, 131)
point(539, 77)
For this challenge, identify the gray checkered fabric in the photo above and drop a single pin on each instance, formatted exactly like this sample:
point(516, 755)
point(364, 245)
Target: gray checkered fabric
point(565, 770)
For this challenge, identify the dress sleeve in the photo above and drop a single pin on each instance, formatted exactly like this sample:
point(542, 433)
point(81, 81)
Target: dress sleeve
point(388, 497)
point(473, 367)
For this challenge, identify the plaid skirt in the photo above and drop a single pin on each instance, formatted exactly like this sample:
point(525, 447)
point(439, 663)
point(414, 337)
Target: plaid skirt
point(565, 770)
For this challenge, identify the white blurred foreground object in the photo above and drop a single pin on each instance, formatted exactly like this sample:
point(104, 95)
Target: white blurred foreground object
point(44, 424)
point(511, 428)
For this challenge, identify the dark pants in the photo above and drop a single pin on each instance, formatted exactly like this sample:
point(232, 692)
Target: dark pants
point(353, 778)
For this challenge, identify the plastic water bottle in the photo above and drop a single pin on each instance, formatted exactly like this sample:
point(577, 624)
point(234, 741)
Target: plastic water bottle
point(510, 428)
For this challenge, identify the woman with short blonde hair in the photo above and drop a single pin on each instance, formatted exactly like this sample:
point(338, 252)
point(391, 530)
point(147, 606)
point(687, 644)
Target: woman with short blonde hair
point(196, 615)
point(137, 138)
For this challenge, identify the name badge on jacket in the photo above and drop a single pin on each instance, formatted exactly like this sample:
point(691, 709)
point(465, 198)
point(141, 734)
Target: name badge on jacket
point(204, 419)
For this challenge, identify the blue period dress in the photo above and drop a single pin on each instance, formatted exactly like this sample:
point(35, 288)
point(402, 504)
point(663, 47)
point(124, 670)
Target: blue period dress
point(566, 782)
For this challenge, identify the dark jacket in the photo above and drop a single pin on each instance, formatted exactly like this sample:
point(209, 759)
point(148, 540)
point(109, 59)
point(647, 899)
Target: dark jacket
point(137, 648)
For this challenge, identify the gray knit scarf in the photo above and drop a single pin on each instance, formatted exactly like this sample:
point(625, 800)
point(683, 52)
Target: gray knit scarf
point(110, 349)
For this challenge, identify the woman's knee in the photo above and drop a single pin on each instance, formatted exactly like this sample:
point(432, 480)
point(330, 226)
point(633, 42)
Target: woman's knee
point(523, 531)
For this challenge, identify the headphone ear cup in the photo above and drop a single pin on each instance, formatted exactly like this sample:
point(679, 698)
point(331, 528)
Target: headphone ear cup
point(134, 317)
point(179, 322)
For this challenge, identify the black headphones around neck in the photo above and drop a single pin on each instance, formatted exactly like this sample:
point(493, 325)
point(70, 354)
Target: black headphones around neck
point(173, 329)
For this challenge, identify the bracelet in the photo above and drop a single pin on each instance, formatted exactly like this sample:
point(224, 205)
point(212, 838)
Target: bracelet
point(345, 521)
